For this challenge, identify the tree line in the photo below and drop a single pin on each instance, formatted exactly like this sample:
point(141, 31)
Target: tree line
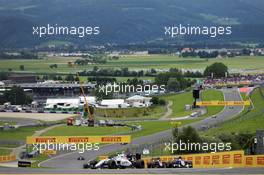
point(16, 96)
point(19, 55)
point(239, 141)
point(125, 72)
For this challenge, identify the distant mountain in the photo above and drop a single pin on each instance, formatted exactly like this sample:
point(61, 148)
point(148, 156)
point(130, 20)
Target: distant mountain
point(126, 21)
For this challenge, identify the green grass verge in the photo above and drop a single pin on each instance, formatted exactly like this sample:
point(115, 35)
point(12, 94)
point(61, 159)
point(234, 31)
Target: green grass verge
point(136, 113)
point(151, 127)
point(18, 134)
point(38, 159)
point(9, 145)
point(5, 152)
point(2, 123)
point(247, 121)
point(179, 101)
point(148, 128)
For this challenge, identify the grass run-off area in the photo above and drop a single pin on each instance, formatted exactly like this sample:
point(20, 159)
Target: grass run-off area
point(148, 128)
point(178, 107)
point(210, 95)
point(18, 134)
point(151, 127)
point(136, 113)
point(178, 103)
point(120, 79)
point(2, 123)
point(5, 152)
point(133, 62)
point(180, 100)
point(248, 120)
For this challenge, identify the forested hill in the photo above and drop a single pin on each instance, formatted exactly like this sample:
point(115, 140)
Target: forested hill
point(126, 21)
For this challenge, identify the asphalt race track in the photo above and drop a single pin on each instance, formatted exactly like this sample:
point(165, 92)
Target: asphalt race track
point(135, 171)
point(68, 163)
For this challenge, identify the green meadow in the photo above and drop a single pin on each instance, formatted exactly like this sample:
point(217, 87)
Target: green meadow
point(134, 63)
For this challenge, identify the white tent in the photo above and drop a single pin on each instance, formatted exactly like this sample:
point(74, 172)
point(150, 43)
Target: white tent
point(90, 100)
point(139, 101)
point(63, 103)
point(114, 103)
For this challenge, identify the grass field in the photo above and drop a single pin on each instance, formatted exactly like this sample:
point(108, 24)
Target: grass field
point(151, 112)
point(5, 152)
point(209, 95)
point(41, 65)
point(18, 134)
point(122, 79)
point(9, 123)
point(165, 61)
point(151, 127)
point(179, 101)
point(135, 63)
point(148, 127)
point(247, 121)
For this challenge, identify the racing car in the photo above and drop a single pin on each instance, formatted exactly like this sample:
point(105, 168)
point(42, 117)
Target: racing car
point(121, 161)
point(156, 163)
point(179, 163)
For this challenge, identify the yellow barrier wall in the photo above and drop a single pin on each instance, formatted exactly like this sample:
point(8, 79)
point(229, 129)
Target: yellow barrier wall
point(223, 103)
point(217, 160)
point(7, 158)
point(79, 139)
point(254, 161)
point(234, 159)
